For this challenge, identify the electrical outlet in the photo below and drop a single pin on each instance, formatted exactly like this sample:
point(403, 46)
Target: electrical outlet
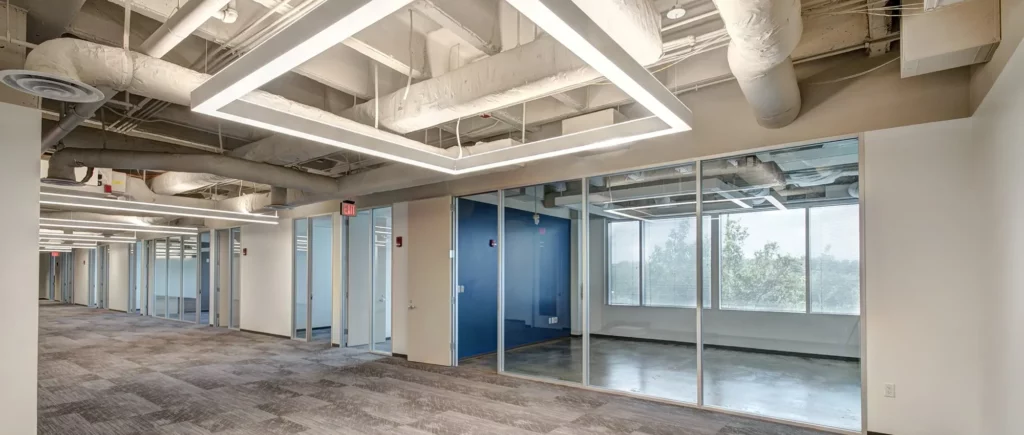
point(552, 320)
point(890, 391)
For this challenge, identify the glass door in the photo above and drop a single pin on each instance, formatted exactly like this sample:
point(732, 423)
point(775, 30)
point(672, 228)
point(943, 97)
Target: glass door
point(300, 280)
point(206, 295)
point(190, 292)
point(235, 249)
point(380, 315)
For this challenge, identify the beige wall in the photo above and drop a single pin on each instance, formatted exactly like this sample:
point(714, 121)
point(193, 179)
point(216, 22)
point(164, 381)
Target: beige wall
point(998, 133)
point(19, 312)
point(983, 76)
point(922, 268)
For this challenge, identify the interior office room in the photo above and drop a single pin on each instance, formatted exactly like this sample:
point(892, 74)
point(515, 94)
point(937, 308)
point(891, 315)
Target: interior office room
point(511, 216)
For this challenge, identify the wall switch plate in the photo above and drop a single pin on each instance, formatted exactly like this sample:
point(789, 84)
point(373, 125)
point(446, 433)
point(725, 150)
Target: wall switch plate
point(890, 390)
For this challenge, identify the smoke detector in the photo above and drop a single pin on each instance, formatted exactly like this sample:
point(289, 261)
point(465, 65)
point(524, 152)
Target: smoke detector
point(50, 86)
point(676, 13)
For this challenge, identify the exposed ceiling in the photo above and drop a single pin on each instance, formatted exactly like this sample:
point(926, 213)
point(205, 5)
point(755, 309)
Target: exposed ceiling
point(418, 47)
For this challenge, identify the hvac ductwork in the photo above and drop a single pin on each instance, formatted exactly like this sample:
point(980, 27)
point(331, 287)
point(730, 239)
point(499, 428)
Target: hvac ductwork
point(533, 70)
point(764, 33)
point(63, 163)
point(179, 26)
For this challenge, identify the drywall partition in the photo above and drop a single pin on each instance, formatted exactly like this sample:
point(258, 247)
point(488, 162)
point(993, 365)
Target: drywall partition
point(997, 131)
point(924, 265)
point(266, 275)
point(19, 313)
point(117, 293)
point(81, 278)
point(399, 279)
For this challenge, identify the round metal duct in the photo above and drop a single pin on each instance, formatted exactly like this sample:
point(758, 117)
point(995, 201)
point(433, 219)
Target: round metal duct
point(50, 86)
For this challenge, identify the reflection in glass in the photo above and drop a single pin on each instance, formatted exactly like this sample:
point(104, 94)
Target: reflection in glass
point(160, 279)
point(174, 277)
point(359, 255)
point(381, 280)
point(300, 271)
point(236, 282)
point(540, 300)
point(477, 280)
point(642, 226)
point(189, 288)
point(784, 243)
point(205, 269)
point(834, 239)
point(321, 249)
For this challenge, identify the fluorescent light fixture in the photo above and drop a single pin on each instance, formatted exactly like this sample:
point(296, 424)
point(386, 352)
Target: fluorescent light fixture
point(94, 240)
point(90, 237)
point(567, 23)
point(229, 93)
point(326, 26)
point(63, 199)
point(775, 201)
point(54, 249)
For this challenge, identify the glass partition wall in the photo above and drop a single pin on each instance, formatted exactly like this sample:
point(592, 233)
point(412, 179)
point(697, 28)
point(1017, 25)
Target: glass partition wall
point(313, 278)
point(366, 266)
point(731, 283)
point(173, 273)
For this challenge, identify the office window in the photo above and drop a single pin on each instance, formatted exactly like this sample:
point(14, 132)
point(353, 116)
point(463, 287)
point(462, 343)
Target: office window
point(762, 261)
point(670, 272)
point(624, 263)
point(835, 260)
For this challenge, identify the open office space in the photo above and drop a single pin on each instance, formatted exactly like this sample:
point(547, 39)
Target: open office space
point(511, 216)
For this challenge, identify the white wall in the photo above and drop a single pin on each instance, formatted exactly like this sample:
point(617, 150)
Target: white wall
point(924, 260)
point(117, 294)
point(19, 313)
point(997, 133)
point(81, 278)
point(266, 278)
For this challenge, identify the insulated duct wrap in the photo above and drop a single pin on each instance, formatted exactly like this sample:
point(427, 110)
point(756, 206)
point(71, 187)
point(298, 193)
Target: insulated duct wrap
point(764, 33)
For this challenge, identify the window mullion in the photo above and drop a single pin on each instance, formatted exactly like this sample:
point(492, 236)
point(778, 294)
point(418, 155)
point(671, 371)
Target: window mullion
point(643, 264)
point(807, 259)
point(716, 252)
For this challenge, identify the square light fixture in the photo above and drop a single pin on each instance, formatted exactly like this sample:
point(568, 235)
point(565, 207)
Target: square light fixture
point(229, 93)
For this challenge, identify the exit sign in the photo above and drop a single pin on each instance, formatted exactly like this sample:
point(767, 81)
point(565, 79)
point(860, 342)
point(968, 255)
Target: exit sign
point(348, 208)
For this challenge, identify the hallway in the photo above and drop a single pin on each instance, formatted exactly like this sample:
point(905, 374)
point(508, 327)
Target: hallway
point(103, 372)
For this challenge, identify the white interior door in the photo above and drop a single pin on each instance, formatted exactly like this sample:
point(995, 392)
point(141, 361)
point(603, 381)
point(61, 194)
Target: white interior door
point(428, 242)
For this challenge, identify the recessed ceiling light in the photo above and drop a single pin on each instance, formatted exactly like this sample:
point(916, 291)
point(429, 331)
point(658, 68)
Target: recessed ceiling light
point(676, 13)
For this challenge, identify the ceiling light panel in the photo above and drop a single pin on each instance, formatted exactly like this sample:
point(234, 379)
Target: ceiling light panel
point(88, 202)
point(227, 94)
point(77, 224)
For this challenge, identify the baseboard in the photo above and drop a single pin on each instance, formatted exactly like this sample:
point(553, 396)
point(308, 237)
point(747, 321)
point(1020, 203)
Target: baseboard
point(877, 433)
point(735, 348)
point(335, 345)
point(266, 333)
point(119, 311)
point(321, 328)
point(400, 355)
point(81, 305)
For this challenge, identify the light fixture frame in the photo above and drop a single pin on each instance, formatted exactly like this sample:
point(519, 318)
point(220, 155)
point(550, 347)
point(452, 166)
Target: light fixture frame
point(229, 94)
point(78, 224)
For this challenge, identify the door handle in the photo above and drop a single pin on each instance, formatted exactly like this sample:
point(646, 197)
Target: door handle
point(382, 300)
point(411, 306)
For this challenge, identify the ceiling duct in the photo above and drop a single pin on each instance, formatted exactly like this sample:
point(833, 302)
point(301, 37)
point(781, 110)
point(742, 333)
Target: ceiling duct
point(763, 35)
point(535, 69)
point(752, 171)
point(63, 162)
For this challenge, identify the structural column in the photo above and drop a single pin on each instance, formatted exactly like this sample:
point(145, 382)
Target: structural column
point(19, 229)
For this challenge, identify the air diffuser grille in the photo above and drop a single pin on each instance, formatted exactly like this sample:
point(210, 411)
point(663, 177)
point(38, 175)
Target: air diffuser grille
point(50, 86)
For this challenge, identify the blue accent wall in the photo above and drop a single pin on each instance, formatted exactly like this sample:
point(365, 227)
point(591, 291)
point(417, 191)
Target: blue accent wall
point(537, 278)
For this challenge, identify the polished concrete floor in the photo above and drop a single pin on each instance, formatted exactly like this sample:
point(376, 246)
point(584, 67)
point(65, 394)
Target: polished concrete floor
point(813, 390)
point(108, 373)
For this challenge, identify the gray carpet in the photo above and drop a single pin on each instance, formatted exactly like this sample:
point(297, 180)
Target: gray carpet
point(109, 373)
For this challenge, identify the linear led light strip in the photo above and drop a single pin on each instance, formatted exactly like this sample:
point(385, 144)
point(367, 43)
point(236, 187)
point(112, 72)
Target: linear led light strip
point(65, 239)
point(114, 226)
point(148, 208)
point(88, 237)
point(333, 21)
